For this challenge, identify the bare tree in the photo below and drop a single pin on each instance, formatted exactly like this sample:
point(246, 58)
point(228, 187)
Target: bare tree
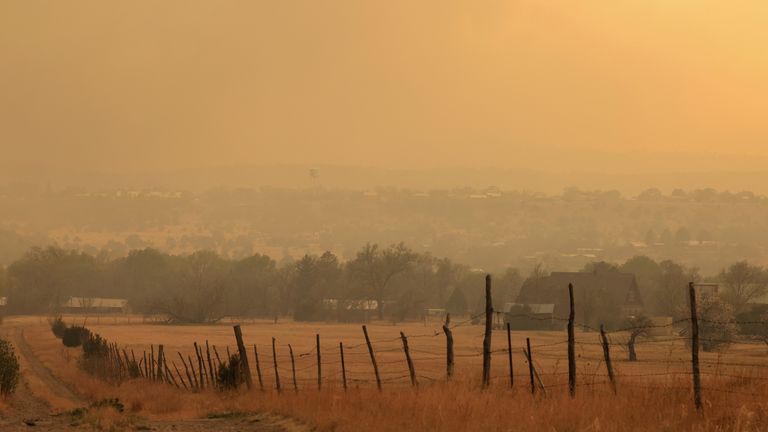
point(375, 268)
point(637, 327)
point(743, 283)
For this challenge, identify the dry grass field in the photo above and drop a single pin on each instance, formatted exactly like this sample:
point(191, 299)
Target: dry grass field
point(654, 393)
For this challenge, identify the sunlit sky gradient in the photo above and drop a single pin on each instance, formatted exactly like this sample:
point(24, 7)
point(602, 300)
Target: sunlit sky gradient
point(400, 84)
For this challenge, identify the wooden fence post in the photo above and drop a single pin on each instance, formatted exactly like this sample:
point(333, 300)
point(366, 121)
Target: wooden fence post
point(607, 355)
point(160, 363)
point(293, 369)
point(449, 345)
point(373, 357)
point(152, 362)
point(695, 347)
point(411, 370)
point(509, 350)
point(274, 359)
point(200, 365)
point(243, 356)
point(179, 374)
point(186, 370)
point(218, 359)
point(488, 333)
point(258, 367)
point(343, 366)
point(319, 364)
point(529, 356)
point(211, 373)
point(571, 346)
point(198, 386)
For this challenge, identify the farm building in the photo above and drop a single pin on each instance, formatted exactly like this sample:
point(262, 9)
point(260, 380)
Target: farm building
point(95, 305)
point(601, 297)
point(533, 316)
point(434, 315)
point(358, 311)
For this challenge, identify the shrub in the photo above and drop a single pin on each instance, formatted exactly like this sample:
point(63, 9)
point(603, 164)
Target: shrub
point(58, 327)
point(229, 374)
point(75, 336)
point(9, 368)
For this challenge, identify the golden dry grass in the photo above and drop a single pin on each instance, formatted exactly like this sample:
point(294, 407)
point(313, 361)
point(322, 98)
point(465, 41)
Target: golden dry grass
point(660, 401)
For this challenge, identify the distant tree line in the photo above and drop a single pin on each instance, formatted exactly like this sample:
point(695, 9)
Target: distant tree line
point(204, 286)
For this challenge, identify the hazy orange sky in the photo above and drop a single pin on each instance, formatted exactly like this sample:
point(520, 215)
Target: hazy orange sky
point(149, 84)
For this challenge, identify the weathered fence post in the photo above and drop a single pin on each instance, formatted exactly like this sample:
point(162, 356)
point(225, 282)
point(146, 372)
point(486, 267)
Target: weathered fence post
point(407, 352)
point(277, 373)
point(529, 356)
point(160, 364)
point(509, 350)
point(607, 355)
point(319, 364)
point(343, 366)
point(200, 365)
point(218, 359)
point(243, 357)
point(448, 345)
point(211, 373)
point(373, 357)
point(179, 374)
point(695, 347)
point(198, 384)
point(152, 362)
point(571, 345)
point(258, 367)
point(293, 369)
point(488, 333)
point(186, 370)
point(146, 366)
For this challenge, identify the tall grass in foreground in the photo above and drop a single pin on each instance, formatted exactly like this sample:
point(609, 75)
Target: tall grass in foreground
point(661, 403)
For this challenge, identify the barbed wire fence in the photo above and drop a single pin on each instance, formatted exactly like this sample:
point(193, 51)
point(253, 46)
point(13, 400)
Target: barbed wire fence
point(412, 360)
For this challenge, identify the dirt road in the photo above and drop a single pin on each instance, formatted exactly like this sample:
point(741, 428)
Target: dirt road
point(39, 390)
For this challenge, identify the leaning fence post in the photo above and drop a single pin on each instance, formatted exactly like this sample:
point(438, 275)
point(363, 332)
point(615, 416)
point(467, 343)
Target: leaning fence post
point(152, 362)
point(343, 366)
point(488, 333)
point(186, 370)
point(179, 374)
point(509, 350)
point(200, 366)
point(212, 374)
point(695, 347)
point(258, 367)
point(160, 364)
point(274, 359)
point(198, 385)
point(411, 370)
point(243, 356)
point(293, 368)
point(571, 346)
point(529, 356)
point(607, 355)
point(373, 357)
point(449, 345)
point(319, 364)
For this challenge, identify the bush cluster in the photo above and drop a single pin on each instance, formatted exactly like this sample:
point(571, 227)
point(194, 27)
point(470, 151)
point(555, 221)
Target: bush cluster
point(9, 368)
point(58, 327)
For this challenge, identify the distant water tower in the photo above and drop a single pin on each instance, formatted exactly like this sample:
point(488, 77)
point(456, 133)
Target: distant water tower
point(314, 174)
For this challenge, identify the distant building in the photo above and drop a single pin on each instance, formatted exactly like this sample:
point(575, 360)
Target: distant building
point(358, 311)
point(600, 297)
point(95, 305)
point(532, 316)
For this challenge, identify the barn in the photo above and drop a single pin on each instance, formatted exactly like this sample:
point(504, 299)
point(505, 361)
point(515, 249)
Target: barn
point(84, 305)
point(601, 297)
